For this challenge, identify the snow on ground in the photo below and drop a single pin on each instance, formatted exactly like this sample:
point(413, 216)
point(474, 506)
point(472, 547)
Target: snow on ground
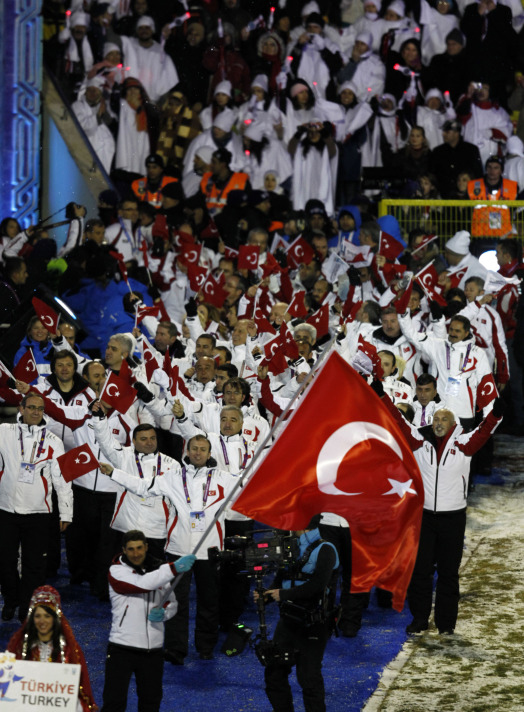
point(479, 669)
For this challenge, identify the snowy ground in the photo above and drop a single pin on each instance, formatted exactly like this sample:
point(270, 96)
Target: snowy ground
point(479, 669)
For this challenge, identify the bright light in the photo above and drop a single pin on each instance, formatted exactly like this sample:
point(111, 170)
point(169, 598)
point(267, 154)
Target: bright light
point(488, 260)
point(65, 307)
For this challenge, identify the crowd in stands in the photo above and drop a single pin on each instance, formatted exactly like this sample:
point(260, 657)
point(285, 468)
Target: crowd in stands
point(240, 243)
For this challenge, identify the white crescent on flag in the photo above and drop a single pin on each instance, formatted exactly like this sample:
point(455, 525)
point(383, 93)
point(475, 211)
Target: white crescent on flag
point(46, 320)
point(209, 288)
point(115, 393)
point(86, 456)
point(340, 443)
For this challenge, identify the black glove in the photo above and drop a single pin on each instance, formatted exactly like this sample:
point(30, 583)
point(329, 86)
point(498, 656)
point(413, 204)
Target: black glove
point(191, 307)
point(153, 292)
point(499, 408)
point(354, 276)
point(11, 383)
point(436, 310)
point(281, 257)
point(327, 129)
point(300, 131)
point(96, 413)
point(142, 392)
point(378, 388)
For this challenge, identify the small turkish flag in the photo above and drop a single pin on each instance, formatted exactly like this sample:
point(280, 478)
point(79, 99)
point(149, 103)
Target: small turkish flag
point(289, 345)
point(486, 391)
point(300, 252)
point(389, 247)
point(26, 370)
point(271, 347)
point(357, 464)
point(320, 320)
point(46, 314)
point(297, 309)
point(248, 256)
point(372, 353)
point(176, 383)
point(401, 303)
point(118, 394)
point(263, 325)
point(143, 311)
point(426, 239)
point(5, 376)
point(126, 374)
point(145, 254)
point(270, 266)
point(191, 253)
point(213, 292)
point(196, 275)
point(77, 462)
point(149, 359)
point(456, 276)
point(427, 278)
point(230, 253)
point(392, 271)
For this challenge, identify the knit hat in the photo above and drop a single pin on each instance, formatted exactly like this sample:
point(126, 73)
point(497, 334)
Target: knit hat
point(80, 19)
point(297, 88)
point(310, 7)
point(224, 120)
point(434, 94)
point(224, 87)
point(205, 153)
point(398, 7)
point(366, 38)
point(261, 82)
point(514, 146)
point(347, 85)
point(146, 21)
point(276, 38)
point(456, 36)
point(110, 47)
point(459, 243)
point(376, 3)
point(255, 131)
point(97, 81)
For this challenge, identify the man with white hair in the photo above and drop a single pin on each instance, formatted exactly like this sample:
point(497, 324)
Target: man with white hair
point(92, 114)
point(458, 256)
point(443, 453)
point(147, 60)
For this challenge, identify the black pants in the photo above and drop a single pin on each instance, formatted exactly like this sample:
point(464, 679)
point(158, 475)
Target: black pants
point(441, 545)
point(30, 531)
point(309, 645)
point(207, 610)
point(353, 604)
point(90, 542)
point(121, 664)
point(234, 588)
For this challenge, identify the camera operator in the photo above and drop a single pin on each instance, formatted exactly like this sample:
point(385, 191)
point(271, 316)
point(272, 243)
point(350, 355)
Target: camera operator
point(302, 592)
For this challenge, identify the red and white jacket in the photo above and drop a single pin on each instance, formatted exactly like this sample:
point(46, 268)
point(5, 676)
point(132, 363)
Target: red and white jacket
point(133, 595)
point(488, 331)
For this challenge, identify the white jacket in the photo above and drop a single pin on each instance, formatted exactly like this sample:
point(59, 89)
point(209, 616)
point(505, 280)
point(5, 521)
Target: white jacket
point(447, 361)
point(182, 539)
point(35, 497)
point(132, 597)
point(152, 516)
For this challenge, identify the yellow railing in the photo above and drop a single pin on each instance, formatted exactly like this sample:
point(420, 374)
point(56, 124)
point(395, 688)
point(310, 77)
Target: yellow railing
point(445, 217)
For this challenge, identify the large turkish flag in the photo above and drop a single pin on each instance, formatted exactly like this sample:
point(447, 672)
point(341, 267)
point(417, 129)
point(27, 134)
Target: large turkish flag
point(342, 452)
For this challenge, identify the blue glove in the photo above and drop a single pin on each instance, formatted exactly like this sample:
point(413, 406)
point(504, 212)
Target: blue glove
point(156, 615)
point(185, 563)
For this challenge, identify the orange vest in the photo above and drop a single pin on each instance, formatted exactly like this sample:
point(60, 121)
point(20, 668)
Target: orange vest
point(139, 188)
point(491, 220)
point(216, 199)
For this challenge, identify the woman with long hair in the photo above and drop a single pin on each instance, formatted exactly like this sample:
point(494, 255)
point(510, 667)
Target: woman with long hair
point(46, 636)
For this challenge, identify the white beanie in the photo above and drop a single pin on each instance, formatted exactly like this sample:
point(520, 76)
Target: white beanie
point(434, 94)
point(366, 38)
point(110, 47)
point(348, 85)
point(225, 120)
point(224, 87)
point(146, 21)
point(80, 18)
point(459, 243)
point(398, 7)
point(376, 3)
point(310, 7)
point(205, 153)
point(260, 81)
point(514, 146)
point(255, 131)
point(96, 81)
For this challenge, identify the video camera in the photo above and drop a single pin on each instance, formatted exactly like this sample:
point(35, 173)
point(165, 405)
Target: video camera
point(256, 555)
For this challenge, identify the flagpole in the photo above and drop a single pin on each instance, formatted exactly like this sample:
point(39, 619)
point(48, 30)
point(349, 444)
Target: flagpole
point(242, 480)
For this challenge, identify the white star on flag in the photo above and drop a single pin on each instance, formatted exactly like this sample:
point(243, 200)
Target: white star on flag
point(400, 488)
point(77, 461)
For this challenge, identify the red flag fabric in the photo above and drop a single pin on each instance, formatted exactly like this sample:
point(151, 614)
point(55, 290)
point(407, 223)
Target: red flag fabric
point(145, 254)
point(190, 253)
point(297, 309)
point(197, 276)
point(248, 256)
point(123, 271)
point(289, 345)
point(392, 271)
point(426, 239)
point(427, 278)
point(77, 462)
point(176, 382)
point(486, 391)
point(46, 314)
point(456, 276)
point(213, 292)
point(270, 266)
point(401, 304)
point(357, 465)
point(230, 253)
point(299, 252)
point(150, 362)
point(143, 311)
point(371, 352)
point(354, 311)
point(263, 324)
point(126, 374)
point(320, 320)
point(389, 247)
point(118, 394)
point(4, 376)
point(271, 347)
point(26, 370)
point(278, 363)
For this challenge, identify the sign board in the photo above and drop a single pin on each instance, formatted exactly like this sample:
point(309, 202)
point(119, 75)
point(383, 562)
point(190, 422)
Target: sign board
point(33, 686)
